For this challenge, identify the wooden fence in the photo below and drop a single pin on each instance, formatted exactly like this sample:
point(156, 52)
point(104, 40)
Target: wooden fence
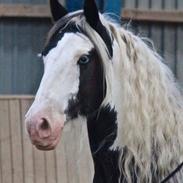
point(43, 11)
point(20, 162)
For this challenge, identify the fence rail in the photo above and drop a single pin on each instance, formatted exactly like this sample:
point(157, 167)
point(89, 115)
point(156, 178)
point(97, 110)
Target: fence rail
point(20, 162)
point(23, 10)
point(168, 16)
point(43, 11)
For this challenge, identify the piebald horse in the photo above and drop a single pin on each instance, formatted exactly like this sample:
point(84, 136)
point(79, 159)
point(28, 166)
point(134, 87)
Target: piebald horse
point(97, 71)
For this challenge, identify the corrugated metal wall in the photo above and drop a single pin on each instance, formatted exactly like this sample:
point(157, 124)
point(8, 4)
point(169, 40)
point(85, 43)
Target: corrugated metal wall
point(20, 42)
point(21, 39)
point(167, 37)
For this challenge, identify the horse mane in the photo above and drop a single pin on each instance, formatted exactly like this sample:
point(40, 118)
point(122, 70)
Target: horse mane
point(152, 111)
point(150, 122)
point(150, 105)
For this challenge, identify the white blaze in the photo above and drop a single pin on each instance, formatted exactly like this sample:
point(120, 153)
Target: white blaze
point(60, 81)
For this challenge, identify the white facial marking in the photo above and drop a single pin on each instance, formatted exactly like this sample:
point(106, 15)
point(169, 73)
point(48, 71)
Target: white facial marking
point(60, 81)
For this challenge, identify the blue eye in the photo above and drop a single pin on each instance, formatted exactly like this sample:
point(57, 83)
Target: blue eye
point(83, 60)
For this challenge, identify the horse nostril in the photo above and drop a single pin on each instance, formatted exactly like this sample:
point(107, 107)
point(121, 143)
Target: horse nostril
point(44, 128)
point(45, 124)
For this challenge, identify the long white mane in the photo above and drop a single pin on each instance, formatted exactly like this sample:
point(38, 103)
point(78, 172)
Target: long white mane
point(148, 102)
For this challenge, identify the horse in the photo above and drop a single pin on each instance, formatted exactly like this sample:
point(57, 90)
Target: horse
point(101, 74)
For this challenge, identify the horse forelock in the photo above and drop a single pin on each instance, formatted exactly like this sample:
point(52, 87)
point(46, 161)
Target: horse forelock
point(74, 22)
point(62, 26)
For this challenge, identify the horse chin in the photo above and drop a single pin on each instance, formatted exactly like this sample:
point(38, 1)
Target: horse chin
point(48, 146)
point(45, 148)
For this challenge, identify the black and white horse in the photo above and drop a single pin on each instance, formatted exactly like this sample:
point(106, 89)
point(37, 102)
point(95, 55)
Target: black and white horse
point(101, 73)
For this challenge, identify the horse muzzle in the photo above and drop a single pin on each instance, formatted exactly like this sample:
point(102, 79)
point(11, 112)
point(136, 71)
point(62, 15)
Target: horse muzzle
point(44, 130)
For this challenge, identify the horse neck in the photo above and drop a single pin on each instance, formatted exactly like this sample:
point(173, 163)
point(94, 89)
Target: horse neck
point(102, 131)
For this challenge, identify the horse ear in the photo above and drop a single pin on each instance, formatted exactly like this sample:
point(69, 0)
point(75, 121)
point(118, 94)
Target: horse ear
point(91, 13)
point(57, 10)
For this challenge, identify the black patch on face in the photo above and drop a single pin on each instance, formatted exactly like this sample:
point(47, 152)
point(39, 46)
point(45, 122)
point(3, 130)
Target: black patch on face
point(91, 88)
point(73, 109)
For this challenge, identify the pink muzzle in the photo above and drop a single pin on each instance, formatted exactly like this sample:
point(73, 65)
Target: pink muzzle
point(44, 129)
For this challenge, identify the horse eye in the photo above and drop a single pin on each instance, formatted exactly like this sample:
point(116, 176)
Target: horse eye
point(83, 60)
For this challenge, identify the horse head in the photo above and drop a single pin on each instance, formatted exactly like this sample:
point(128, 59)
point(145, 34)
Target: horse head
point(73, 84)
